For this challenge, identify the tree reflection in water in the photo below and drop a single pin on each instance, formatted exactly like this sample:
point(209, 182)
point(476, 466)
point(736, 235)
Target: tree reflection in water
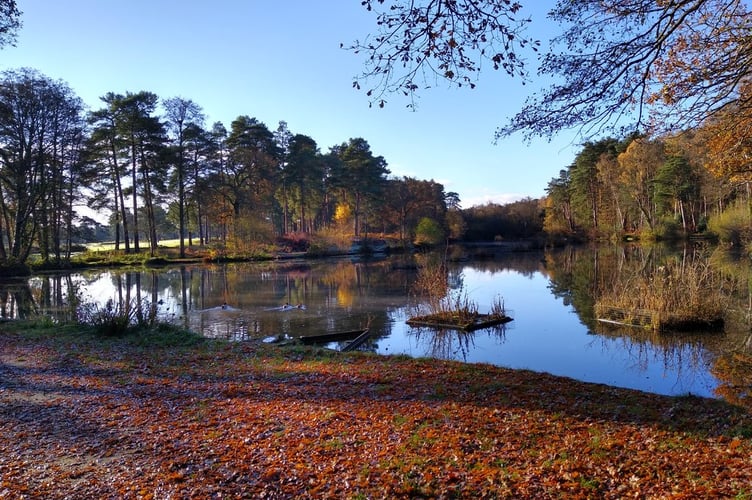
point(685, 354)
point(54, 296)
point(445, 343)
point(582, 276)
point(552, 294)
point(16, 301)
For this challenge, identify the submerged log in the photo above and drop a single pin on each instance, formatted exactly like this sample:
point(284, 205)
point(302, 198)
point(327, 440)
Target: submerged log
point(623, 317)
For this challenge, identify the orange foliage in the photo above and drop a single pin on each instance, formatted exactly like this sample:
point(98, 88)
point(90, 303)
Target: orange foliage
point(729, 142)
point(243, 420)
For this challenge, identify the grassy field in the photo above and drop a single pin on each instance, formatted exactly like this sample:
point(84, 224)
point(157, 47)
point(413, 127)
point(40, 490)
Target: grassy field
point(108, 246)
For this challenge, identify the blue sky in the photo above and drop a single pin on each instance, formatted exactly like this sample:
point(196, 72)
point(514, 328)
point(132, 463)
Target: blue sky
point(281, 60)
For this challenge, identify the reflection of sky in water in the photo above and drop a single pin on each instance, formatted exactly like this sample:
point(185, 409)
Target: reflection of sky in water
point(545, 335)
point(548, 336)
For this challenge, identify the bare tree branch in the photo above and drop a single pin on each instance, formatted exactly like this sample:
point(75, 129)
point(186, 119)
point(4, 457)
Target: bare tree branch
point(418, 42)
point(644, 65)
point(618, 65)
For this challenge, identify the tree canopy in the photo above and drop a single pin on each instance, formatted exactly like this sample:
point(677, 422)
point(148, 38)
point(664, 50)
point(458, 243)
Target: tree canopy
point(641, 64)
point(10, 22)
point(625, 64)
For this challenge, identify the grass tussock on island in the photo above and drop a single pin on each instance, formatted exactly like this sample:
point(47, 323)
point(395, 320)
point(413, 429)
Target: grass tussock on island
point(441, 307)
point(147, 415)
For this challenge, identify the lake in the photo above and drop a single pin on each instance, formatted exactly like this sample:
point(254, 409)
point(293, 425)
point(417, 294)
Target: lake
point(548, 294)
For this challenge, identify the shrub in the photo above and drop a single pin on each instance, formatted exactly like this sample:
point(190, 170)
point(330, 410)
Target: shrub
point(667, 229)
point(330, 240)
point(428, 232)
point(432, 283)
point(116, 318)
point(294, 242)
point(732, 225)
point(444, 304)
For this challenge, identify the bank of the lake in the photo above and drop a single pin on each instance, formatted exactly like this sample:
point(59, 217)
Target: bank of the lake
point(550, 295)
point(103, 255)
point(149, 417)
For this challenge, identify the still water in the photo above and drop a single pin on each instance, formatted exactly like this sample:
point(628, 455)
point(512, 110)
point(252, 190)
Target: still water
point(546, 294)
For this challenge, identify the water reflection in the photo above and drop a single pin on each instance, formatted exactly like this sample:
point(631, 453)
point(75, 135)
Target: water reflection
point(452, 344)
point(50, 295)
point(551, 296)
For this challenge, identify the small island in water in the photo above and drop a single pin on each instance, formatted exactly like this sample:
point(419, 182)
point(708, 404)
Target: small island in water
point(459, 321)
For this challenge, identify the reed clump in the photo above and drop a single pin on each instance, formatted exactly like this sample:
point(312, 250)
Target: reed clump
point(116, 318)
point(679, 295)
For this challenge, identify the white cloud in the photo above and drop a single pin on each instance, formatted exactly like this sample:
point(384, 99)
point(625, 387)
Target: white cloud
point(498, 198)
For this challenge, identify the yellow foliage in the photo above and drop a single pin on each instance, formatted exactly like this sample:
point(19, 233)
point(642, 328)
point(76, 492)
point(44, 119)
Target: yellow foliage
point(343, 213)
point(345, 297)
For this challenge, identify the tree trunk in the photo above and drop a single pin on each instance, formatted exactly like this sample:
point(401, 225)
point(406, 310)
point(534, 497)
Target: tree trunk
point(356, 215)
point(3, 212)
point(119, 198)
point(134, 179)
point(181, 195)
point(151, 222)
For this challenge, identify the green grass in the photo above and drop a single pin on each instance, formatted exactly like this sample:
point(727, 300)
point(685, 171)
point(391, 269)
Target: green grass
point(145, 336)
point(107, 246)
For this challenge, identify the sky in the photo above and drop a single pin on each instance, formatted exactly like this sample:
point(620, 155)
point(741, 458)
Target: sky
point(281, 60)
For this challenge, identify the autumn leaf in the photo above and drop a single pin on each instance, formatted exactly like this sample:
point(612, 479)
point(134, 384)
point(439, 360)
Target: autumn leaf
point(246, 419)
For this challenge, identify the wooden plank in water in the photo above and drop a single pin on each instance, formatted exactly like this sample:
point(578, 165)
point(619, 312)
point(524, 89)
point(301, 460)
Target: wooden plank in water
point(622, 323)
point(357, 341)
point(331, 337)
point(635, 318)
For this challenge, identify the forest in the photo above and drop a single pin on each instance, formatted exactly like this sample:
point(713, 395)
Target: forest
point(160, 173)
point(659, 92)
point(665, 128)
point(666, 187)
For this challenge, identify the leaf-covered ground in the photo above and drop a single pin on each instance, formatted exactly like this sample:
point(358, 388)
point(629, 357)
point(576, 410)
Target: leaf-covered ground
point(88, 419)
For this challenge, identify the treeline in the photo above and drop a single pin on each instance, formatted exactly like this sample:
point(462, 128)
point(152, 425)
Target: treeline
point(494, 222)
point(156, 168)
point(657, 188)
